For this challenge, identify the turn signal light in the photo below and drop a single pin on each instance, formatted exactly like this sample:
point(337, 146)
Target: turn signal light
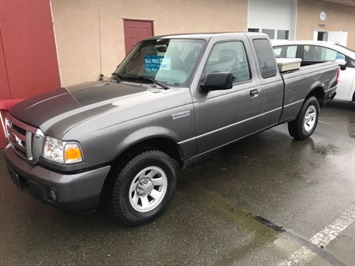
point(72, 153)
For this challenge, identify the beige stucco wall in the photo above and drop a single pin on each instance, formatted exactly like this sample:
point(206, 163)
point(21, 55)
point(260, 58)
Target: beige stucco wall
point(339, 18)
point(76, 25)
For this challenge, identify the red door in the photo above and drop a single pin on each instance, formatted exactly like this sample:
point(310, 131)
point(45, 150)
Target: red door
point(136, 30)
point(28, 56)
point(4, 89)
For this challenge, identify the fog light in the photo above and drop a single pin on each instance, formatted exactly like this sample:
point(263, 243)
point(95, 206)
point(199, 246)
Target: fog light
point(53, 195)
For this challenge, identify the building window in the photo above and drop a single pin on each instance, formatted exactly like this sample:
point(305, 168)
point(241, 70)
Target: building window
point(273, 34)
point(282, 34)
point(269, 32)
point(253, 30)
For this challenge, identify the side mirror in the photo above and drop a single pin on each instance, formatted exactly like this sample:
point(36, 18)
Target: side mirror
point(218, 81)
point(341, 63)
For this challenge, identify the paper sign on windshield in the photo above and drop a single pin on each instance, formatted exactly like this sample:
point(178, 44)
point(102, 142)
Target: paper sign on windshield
point(153, 63)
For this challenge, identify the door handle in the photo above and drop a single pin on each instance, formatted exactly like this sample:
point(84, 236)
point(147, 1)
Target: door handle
point(254, 93)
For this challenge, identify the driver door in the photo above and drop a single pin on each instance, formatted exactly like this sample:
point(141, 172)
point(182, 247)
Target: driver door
point(223, 116)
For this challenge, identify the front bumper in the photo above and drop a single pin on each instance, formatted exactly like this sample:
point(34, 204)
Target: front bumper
point(77, 192)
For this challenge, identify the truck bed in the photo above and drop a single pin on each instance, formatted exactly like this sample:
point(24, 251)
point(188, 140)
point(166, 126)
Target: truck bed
point(294, 98)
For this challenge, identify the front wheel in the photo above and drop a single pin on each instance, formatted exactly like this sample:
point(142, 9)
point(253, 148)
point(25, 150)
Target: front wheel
point(306, 122)
point(143, 188)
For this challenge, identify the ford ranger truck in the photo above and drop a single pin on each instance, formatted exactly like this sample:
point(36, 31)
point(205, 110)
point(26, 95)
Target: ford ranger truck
point(119, 141)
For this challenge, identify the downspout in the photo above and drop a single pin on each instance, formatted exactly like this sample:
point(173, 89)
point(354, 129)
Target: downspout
point(294, 19)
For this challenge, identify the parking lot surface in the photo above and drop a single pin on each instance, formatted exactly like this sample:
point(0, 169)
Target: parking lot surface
point(265, 200)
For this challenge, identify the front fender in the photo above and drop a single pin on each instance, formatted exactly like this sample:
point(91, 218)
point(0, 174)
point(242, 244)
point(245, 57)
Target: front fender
point(144, 134)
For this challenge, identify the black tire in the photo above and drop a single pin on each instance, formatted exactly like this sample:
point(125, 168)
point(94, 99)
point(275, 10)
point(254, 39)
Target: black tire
point(306, 122)
point(137, 199)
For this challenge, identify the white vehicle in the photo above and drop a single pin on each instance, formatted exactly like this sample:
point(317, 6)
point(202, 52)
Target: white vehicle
point(323, 51)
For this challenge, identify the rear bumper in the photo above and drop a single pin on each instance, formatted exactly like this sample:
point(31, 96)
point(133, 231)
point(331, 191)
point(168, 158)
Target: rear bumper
point(329, 95)
point(77, 192)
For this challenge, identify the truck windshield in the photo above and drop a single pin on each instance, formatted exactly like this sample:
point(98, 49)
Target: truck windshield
point(166, 61)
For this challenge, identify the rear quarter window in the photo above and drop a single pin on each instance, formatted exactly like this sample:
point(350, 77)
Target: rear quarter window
point(266, 58)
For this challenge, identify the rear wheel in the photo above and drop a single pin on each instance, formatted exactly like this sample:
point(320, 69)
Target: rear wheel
point(306, 122)
point(143, 188)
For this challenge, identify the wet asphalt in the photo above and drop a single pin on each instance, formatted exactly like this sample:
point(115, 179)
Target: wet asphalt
point(255, 202)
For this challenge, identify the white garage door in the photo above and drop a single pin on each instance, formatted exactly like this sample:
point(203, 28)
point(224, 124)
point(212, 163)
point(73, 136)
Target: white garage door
point(273, 17)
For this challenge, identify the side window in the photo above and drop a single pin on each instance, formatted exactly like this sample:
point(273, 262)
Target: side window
point(278, 51)
point(326, 54)
point(351, 63)
point(309, 53)
point(318, 53)
point(285, 51)
point(231, 57)
point(266, 59)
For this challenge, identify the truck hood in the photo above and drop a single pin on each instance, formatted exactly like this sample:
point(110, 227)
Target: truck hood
point(83, 101)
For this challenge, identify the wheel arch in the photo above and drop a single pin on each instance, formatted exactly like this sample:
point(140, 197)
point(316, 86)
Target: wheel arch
point(145, 138)
point(318, 92)
point(162, 143)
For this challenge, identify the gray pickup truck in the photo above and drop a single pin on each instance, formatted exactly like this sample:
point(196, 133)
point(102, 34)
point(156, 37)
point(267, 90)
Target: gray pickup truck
point(119, 140)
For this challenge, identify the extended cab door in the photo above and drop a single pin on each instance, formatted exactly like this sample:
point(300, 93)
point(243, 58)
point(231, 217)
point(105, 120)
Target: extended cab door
point(271, 81)
point(223, 116)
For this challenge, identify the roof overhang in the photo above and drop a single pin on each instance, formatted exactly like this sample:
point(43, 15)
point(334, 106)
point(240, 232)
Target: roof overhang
point(348, 3)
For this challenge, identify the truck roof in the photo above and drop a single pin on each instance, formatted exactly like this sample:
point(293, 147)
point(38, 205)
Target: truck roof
point(206, 36)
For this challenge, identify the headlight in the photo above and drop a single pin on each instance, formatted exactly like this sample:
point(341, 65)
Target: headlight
point(63, 152)
point(7, 124)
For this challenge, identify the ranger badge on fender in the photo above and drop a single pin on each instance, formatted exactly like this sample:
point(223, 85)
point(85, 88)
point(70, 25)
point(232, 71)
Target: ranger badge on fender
point(180, 115)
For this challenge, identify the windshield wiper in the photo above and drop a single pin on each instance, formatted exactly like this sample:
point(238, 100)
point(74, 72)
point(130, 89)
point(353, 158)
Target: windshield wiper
point(116, 76)
point(152, 80)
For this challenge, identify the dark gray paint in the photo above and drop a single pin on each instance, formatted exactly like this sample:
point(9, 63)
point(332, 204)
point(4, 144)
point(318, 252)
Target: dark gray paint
point(107, 118)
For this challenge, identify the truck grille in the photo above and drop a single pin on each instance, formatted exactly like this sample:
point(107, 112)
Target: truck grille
point(24, 139)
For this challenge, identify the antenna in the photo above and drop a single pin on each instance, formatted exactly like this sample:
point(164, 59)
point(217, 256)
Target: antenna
point(100, 75)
